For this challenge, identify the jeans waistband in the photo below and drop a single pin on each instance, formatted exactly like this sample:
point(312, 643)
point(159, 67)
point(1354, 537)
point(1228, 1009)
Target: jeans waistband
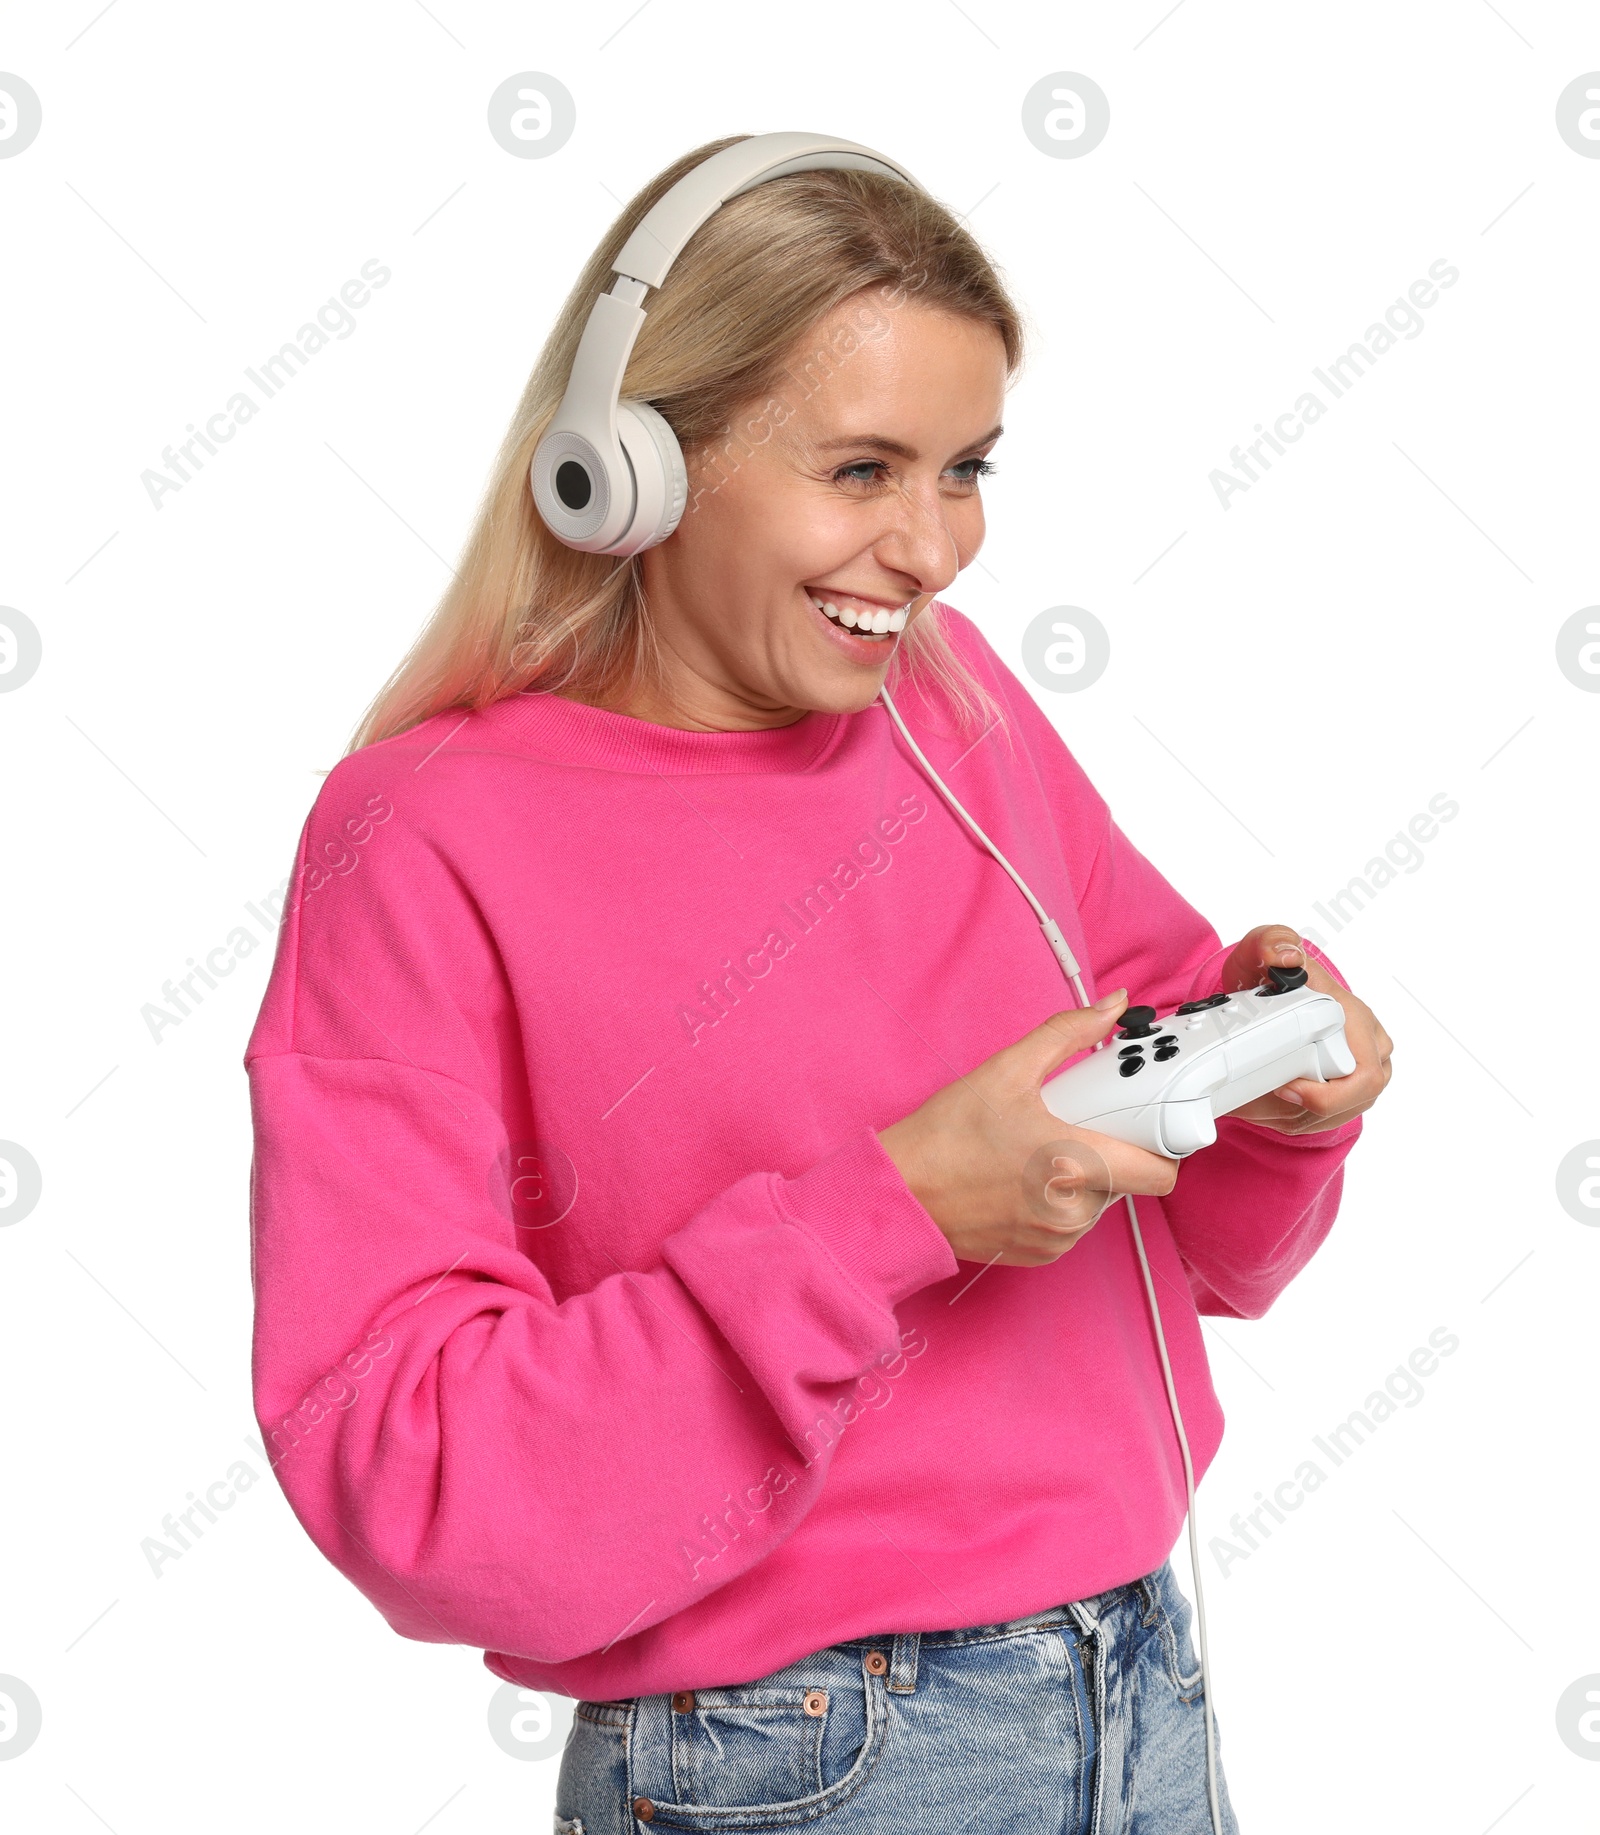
point(901, 1649)
point(1068, 1612)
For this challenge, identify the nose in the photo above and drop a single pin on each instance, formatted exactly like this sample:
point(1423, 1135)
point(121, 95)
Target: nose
point(918, 541)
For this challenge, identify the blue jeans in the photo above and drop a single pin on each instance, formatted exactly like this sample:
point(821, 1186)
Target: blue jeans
point(1086, 1719)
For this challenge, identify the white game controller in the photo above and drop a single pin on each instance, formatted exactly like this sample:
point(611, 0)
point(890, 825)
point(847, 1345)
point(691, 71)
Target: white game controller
point(1161, 1084)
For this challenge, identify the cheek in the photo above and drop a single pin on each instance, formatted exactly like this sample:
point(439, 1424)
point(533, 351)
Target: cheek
point(967, 528)
point(819, 538)
point(758, 540)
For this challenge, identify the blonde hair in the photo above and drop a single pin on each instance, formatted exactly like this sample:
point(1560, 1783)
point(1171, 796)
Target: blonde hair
point(525, 612)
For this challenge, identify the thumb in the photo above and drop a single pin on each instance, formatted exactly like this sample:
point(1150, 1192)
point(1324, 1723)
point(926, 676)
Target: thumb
point(1065, 1034)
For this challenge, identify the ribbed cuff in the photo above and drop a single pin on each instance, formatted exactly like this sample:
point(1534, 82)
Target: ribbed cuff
point(856, 1204)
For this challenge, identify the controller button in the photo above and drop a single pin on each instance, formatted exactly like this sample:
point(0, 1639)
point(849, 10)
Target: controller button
point(1165, 1038)
point(1194, 1023)
point(1137, 1023)
point(1131, 1051)
point(1282, 980)
point(1129, 1065)
point(1167, 1055)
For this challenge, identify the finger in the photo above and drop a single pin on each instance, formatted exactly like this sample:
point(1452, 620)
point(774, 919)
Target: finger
point(1134, 1170)
point(1324, 1098)
point(1039, 1052)
point(1066, 1184)
point(1274, 1109)
point(1283, 1119)
point(1318, 977)
point(1350, 1093)
point(1305, 1106)
point(1332, 1105)
point(1269, 1112)
point(1279, 946)
point(1326, 1124)
point(1104, 1165)
point(1267, 946)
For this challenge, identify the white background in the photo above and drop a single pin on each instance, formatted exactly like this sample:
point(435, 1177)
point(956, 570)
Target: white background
point(1373, 623)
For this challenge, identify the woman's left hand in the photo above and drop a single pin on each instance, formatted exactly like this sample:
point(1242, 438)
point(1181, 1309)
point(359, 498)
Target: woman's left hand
point(1306, 1106)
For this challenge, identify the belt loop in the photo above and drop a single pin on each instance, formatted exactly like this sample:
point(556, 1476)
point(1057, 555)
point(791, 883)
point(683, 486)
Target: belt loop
point(903, 1662)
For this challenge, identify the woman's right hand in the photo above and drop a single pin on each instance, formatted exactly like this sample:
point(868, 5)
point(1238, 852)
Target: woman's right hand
point(1003, 1179)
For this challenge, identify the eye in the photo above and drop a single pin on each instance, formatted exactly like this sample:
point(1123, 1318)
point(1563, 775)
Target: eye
point(982, 468)
point(964, 471)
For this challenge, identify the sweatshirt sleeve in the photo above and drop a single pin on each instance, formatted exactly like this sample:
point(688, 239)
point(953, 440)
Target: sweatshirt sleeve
point(1247, 1213)
point(491, 1464)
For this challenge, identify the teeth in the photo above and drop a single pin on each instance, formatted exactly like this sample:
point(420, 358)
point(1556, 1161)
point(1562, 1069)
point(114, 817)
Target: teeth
point(879, 623)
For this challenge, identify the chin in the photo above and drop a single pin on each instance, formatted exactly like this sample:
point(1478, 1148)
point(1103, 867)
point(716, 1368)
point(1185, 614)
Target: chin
point(832, 691)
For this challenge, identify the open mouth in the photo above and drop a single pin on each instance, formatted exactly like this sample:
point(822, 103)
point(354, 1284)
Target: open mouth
point(860, 617)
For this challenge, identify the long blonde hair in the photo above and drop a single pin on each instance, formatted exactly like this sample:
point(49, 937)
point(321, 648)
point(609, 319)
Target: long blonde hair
point(526, 613)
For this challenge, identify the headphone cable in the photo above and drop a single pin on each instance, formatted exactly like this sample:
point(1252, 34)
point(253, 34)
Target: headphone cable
point(1069, 967)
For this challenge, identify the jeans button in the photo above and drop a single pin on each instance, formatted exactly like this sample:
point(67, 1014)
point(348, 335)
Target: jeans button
point(683, 1702)
point(644, 1809)
point(877, 1663)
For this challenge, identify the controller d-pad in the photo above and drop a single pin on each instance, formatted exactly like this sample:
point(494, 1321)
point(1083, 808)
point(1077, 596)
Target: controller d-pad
point(1202, 1006)
point(1129, 1065)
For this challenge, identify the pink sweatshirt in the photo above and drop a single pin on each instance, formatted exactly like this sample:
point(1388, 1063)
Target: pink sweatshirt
point(594, 1327)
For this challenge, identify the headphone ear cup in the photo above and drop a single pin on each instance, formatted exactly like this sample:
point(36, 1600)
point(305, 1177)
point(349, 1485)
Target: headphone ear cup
point(573, 487)
point(661, 480)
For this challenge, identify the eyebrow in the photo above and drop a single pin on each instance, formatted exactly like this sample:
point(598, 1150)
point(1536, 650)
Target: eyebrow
point(884, 444)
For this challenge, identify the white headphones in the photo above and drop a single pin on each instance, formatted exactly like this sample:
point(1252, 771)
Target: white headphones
point(608, 476)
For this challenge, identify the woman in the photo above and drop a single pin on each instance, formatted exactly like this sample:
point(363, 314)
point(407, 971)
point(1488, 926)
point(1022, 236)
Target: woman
point(668, 1277)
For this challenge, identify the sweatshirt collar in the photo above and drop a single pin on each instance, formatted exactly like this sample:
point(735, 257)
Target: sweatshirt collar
point(574, 733)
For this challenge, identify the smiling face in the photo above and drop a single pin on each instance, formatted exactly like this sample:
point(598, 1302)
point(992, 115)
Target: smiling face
point(860, 508)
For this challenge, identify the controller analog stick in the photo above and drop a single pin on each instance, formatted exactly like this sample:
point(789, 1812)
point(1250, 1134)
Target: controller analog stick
point(1138, 1023)
point(1283, 979)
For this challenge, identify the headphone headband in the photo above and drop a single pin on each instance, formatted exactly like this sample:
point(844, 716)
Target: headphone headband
point(608, 475)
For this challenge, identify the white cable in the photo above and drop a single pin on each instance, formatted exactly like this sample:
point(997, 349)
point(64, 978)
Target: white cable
point(1069, 967)
point(1194, 1534)
point(1052, 931)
